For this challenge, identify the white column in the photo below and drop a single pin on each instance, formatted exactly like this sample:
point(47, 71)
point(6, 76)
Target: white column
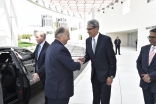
point(93, 12)
point(9, 19)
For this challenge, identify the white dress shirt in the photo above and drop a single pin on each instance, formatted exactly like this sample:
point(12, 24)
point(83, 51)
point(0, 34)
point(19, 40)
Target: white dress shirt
point(151, 49)
point(41, 45)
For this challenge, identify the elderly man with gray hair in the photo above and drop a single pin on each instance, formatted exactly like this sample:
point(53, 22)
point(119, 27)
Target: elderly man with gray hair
point(99, 50)
point(39, 56)
point(59, 64)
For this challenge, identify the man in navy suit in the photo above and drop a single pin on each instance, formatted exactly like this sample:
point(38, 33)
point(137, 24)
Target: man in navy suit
point(117, 43)
point(59, 69)
point(39, 56)
point(146, 65)
point(99, 50)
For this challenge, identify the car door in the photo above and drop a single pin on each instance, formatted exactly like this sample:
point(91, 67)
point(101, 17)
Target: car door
point(1, 93)
point(29, 64)
point(22, 82)
point(30, 68)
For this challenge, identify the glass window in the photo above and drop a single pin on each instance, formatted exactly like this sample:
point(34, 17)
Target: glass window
point(29, 64)
point(24, 52)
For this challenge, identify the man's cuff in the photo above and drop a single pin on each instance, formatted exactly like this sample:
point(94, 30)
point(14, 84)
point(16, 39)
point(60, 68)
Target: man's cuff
point(112, 77)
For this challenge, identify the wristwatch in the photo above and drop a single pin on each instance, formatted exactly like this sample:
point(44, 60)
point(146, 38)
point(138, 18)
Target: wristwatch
point(112, 77)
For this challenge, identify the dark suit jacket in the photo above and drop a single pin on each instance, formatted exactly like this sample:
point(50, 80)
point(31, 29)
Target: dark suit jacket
point(104, 60)
point(144, 68)
point(40, 61)
point(117, 42)
point(59, 71)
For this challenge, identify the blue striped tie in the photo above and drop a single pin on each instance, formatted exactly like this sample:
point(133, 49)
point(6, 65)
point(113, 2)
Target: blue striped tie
point(39, 50)
point(38, 54)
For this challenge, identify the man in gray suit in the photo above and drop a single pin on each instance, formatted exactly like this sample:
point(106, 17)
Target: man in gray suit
point(99, 49)
point(146, 65)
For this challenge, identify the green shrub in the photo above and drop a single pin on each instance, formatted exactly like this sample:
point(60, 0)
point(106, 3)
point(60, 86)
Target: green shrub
point(25, 44)
point(26, 36)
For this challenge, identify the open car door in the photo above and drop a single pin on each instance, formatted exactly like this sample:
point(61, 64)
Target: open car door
point(1, 93)
point(22, 82)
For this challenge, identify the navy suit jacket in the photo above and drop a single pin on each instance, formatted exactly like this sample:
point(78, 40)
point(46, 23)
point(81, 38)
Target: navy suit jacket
point(104, 60)
point(144, 68)
point(59, 71)
point(117, 42)
point(40, 61)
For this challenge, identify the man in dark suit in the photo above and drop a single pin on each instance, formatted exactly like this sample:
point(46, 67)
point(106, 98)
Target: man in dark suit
point(136, 41)
point(39, 56)
point(99, 50)
point(59, 69)
point(146, 65)
point(117, 43)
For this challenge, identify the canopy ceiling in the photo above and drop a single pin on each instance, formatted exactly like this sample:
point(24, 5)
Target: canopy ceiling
point(78, 6)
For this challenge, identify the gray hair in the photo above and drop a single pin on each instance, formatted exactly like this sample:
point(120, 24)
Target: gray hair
point(59, 31)
point(153, 30)
point(94, 23)
point(42, 34)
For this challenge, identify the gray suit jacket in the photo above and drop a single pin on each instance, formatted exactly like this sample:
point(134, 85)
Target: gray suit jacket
point(104, 60)
point(144, 68)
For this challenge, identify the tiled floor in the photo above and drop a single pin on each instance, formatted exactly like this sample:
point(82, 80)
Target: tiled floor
point(125, 87)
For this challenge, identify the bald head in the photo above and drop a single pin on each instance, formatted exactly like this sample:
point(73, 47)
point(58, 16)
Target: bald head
point(62, 34)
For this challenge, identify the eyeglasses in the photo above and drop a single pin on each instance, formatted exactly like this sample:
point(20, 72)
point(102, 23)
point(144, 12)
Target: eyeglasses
point(90, 28)
point(151, 37)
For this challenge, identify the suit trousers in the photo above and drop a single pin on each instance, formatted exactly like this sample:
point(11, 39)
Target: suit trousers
point(149, 97)
point(117, 47)
point(46, 99)
point(101, 91)
point(58, 101)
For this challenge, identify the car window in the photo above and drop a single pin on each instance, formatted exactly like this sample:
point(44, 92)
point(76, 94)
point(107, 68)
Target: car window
point(23, 52)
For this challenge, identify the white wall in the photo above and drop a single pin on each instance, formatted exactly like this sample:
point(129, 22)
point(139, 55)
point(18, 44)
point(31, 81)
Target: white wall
point(141, 15)
point(131, 39)
point(134, 37)
point(122, 37)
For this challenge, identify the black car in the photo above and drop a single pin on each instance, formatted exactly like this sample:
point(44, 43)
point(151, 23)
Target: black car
point(16, 82)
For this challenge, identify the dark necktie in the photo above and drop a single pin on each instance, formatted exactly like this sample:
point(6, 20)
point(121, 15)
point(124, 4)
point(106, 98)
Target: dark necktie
point(38, 54)
point(39, 50)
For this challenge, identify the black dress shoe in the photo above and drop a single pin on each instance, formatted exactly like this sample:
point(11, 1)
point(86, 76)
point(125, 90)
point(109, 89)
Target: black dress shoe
point(119, 54)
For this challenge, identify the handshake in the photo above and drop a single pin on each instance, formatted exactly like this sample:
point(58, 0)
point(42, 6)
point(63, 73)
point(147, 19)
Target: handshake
point(81, 60)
